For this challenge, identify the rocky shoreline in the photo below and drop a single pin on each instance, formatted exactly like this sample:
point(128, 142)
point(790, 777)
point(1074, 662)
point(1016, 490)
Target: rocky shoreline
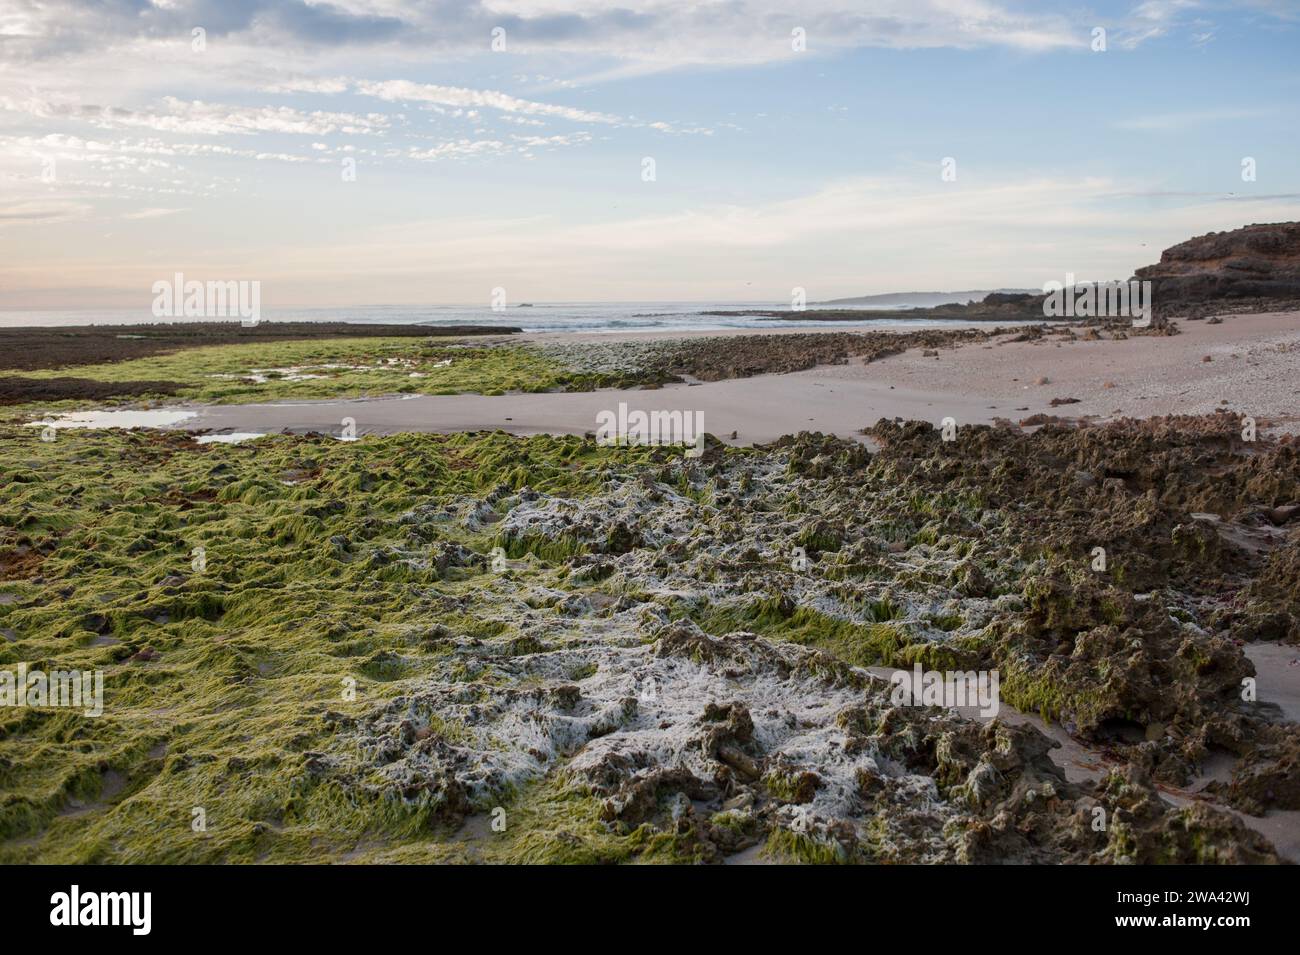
point(629, 653)
point(969, 556)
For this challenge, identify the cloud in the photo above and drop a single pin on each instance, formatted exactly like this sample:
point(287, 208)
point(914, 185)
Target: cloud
point(208, 119)
point(308, 84)
point(152, 213)
point(656, 34)
point(63, 146)
point(515, 145)
point(404, 91)
point(596, 39)
point(57, 27)
point(1153, 19)
point(458, 149)
point(41, 211)
point(512, 108)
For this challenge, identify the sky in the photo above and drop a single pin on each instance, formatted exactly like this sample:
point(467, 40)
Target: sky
point(401, 152)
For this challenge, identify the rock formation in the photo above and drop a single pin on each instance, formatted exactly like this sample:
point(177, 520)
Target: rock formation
point(1255, 261)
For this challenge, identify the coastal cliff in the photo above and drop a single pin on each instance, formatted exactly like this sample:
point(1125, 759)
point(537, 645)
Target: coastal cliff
point(1255, 261)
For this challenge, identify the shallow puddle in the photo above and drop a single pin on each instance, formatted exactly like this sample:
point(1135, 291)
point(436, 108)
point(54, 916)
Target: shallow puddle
point(234, 437)
point(124, 418)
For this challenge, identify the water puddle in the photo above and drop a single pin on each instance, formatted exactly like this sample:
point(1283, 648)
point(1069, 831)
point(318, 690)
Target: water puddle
point(233, 437)
point(260, 376)
point(123, 418)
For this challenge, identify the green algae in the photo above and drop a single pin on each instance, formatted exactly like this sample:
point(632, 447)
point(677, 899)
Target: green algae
point(335, 368)
point(551, 550)
point(226, 683)
point(286, 619)
point(1032, 688)
point(881, 643)
point(785, 846)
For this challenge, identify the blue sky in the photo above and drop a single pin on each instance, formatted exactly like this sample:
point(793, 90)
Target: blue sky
point(129, 152)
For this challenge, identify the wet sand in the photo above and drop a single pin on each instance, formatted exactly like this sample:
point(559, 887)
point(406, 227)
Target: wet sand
point(1277, 668)
point(758, 409)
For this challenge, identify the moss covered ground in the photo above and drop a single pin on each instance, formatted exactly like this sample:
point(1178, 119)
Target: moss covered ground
point(220, 673)
point(256, 609)
point(327, 368)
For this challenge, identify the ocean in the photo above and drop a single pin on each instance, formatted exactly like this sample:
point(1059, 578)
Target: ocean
point(587, 317)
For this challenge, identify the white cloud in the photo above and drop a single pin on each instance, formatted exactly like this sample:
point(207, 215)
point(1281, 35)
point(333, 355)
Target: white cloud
point(40, 211)
point(457, 101)
point(516, 145)
point(153, 212)
point(404, 91)
point(458, 149)
point(208, 119)
point(1153, 19)
point(650, 34)
point(307, 84)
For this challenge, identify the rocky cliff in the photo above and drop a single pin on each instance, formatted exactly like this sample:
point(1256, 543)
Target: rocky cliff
point(1255, 261)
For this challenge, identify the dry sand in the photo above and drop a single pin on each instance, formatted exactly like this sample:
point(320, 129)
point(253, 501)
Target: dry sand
point(1254, 369)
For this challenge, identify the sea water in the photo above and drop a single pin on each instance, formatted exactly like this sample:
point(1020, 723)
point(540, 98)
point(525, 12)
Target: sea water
point(587, 317)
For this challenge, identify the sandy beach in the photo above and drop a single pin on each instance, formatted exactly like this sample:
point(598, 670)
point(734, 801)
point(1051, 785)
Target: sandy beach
point(1253, 367)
